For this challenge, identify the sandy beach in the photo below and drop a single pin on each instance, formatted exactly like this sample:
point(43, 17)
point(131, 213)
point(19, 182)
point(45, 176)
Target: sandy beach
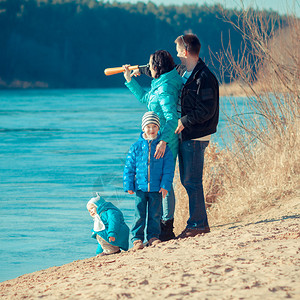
point(256, 258)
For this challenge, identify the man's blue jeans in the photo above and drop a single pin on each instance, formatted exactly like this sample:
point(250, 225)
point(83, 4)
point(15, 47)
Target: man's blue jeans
point(191, 161)
point(154, 202)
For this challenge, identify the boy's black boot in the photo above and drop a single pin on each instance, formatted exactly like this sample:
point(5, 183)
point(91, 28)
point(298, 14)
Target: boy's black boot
point(166, 233)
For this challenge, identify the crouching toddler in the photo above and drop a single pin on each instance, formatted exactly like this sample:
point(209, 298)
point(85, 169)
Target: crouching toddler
point(110, 229)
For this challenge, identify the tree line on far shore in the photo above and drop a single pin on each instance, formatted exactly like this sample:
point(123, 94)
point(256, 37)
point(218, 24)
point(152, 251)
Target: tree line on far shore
point(69, 43)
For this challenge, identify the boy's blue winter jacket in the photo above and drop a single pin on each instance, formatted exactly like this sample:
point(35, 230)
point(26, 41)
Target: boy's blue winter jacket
point(144, 172)
point(114, 223)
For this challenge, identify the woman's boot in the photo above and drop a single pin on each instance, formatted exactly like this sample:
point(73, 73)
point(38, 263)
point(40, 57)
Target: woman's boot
point(166, 230)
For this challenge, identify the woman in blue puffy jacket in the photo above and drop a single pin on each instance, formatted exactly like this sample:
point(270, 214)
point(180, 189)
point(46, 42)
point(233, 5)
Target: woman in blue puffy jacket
point(162, 99)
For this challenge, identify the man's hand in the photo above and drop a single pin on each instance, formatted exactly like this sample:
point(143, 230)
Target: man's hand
point(160, 149)
point(130, 192)
point(180, 127)
point(163, 192)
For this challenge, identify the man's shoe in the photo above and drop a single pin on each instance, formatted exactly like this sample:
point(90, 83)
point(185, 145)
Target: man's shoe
point(154, 241)
point(191, 232)
point(137, 245)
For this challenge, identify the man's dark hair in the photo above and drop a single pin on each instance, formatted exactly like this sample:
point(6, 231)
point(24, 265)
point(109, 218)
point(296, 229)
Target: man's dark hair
point(190, 42)
point(162, 62)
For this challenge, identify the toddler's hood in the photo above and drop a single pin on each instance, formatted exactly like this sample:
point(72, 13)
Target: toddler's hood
point(100, 203)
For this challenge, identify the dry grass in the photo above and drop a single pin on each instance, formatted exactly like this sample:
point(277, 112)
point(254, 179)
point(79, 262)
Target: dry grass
point(235, 188)
point(261, 165)
point(262, 181)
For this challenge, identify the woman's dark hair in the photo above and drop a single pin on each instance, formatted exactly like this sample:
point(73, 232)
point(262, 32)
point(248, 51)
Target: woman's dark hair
point(162, 62)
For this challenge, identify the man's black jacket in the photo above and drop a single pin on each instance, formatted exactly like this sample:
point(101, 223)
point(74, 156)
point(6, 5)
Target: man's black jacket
point(199, 102)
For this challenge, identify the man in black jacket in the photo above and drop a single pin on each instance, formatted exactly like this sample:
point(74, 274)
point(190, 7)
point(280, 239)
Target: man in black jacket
point(199, 108)
point(199, 115)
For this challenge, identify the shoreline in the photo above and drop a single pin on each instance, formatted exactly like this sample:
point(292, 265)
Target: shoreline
point(232, 89)
point(257, 257)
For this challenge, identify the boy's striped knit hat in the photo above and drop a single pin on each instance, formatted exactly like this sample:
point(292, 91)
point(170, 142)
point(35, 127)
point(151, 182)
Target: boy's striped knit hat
point(150, 117)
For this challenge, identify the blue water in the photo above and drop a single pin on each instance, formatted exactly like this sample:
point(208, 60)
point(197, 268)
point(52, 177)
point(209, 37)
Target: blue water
point(57, 147)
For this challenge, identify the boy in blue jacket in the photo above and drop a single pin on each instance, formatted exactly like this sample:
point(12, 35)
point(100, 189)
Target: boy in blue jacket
point(150, 175)
point(110, 229)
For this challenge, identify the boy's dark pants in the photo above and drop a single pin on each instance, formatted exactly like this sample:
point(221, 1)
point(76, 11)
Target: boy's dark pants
point(154, 202)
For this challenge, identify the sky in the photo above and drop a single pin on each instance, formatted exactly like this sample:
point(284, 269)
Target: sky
point(280, 6)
